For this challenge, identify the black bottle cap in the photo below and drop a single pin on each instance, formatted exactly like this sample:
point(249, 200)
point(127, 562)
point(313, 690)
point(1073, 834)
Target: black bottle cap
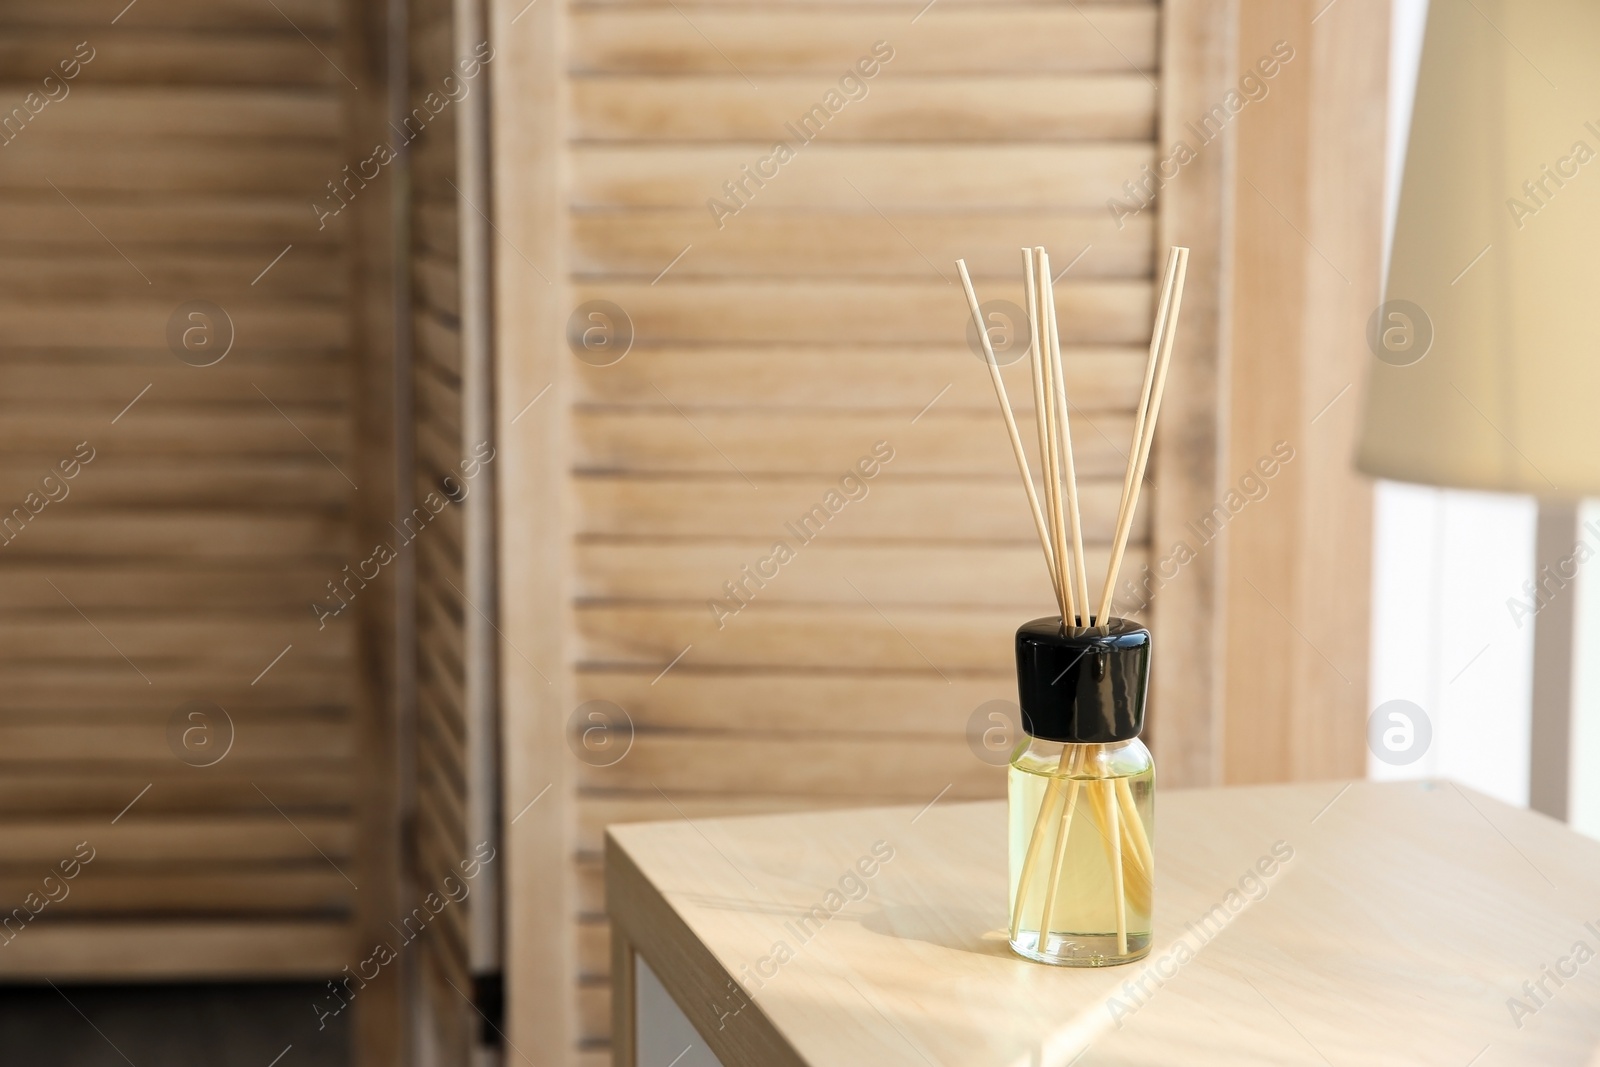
point(1083, 685)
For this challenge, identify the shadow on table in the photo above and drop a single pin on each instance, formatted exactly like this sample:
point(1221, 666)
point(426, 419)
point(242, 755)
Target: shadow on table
point(978, 930)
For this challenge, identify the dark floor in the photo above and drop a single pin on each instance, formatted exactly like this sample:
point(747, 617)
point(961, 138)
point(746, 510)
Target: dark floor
point(216, 1025)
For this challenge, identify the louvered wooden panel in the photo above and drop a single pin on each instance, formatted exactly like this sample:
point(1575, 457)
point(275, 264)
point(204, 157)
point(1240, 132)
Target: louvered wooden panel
point(781, 38)
point(439, 827)
point(776, 347)
point(182, 562)
point(455, 784)
point(984, 107)
point(640, 242)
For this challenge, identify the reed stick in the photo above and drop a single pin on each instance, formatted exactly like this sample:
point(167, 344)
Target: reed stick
point(1137, 877)
point(1103, 804)
point(1118, 890)
point(1136, 828)
point(1142, 411)
point(1011, 421)
point(1052, 792)
point(1144, 427)
point(1061, 840)
point(1079, 573)
point(1044, 421)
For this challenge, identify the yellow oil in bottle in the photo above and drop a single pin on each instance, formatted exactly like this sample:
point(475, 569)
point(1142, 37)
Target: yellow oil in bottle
point(1097, 807)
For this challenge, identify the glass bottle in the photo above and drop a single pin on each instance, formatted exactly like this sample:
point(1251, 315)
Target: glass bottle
point(1081, 813)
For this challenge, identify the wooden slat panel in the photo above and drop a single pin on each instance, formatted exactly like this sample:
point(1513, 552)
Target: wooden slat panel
point(255, 428)
point(823, 572)
point(194, 544)
point(440, 696)
point(954, 41)
point(1097, 379)
point(594, 1010)
point(442, 729)
point(439, 402)
point(176, 164)
point(151, 111)
point(145, 950)
point(80, 533)
point(855, 242)
point(106, 892)
point(594, 950)
point(917, 640)
point(788, 765)
point(433, 49)
point(855, 313)
point(446, 782)
point(719, 107)
point(309, 15)
point(453, 1024)
point(432, 164)
point(437, 285)
point(439, 343)
point(789, 335)
point(198, 218)
point(441, 832)
point(94, 684)
point(314, 277)
point(258, 739)
point(107, 324)
point(242, 484)
point(791, 703)
point(440, 738)
point(893, 178)
point(142, 838)
point(121, 585)
point(824, 8)
point(25, 380)
point(171, 57)
point(440, 622)
point(443, 958)
point(896, 508)
point(53, 791)
point(436, 228)
point(439, 562)
point(940, 443)
point(246, 644)
point(591, 894)
point(442, 773)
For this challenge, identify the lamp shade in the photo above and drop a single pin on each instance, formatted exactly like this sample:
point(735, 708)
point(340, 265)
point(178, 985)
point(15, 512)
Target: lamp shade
point(1487, 347)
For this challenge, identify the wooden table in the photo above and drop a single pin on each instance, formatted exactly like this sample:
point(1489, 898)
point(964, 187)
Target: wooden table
point(1319, 924)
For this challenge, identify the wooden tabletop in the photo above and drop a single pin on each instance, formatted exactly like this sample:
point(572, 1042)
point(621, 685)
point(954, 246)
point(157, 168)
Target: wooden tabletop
point(1359, 924)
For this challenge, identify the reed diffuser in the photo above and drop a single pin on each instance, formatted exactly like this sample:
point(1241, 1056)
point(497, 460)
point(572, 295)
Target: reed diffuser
point(1081, 788)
